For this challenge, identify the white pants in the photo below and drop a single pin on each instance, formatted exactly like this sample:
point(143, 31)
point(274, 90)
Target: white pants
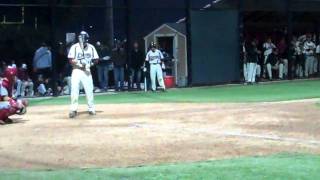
point(308, 68)
point(252, 72)
point(245, 72)
point(285, 67)
point(279, 67)
point(22, 86)
point(156, 72)
point(315, 65)
point(299, 71)
point(42, 89)
point(85, 78)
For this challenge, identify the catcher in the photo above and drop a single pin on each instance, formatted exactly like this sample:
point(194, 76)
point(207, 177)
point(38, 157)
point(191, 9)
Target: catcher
point(8, 105)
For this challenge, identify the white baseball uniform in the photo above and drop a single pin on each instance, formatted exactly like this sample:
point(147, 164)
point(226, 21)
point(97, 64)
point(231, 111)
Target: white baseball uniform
point(81, 74)
point(309, 50)
point(154, 59)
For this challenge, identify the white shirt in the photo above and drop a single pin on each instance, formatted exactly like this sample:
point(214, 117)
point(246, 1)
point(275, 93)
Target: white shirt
point(88, 54)
point(268, 48)
point(3, 91)
point(318, 49)
point(309, 46)
point(154, 57)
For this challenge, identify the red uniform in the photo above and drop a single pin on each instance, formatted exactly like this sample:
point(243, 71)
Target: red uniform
point(9, 106)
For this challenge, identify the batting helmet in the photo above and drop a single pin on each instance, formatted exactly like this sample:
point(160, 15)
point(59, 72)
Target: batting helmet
point(153, 45)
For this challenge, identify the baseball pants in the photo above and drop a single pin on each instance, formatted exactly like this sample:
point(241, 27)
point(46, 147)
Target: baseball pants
point(279, 67)
point(79, 77)
point(252, 72)
point(156, 72)
point(309, 62)
point(245, 72)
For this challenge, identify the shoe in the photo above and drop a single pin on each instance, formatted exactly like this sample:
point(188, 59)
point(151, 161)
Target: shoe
point(8, 121)
point(163, 90)
point(92, 113)
point(73, 114)
point(2, 122)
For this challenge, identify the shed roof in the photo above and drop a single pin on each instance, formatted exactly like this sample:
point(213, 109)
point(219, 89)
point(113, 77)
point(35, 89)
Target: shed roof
point(270, 5)
point(179, 28)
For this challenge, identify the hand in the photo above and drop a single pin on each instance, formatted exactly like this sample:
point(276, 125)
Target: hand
point(34, 70)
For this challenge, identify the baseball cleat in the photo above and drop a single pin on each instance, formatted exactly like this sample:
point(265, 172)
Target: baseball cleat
point(8, 121)
point(92, 113)
point(73, 114)
point(2, 122)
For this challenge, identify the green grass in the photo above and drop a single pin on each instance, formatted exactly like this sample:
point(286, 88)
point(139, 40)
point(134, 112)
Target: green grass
point(284, 166)
point(259, 93)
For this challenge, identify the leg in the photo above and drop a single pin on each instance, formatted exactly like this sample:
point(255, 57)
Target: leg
point(153, 77)
point(138, 78)
point(106, 77)
point(131, 78)
point(75, 85)
point(19, 87)
point(285, 67)
point(88, 88)
point(281, 70)
point(30, 88)
point(269, 69)
point(245, 72)
point(116, 78)
point(258, 71)
point(100, 76)
point(121, 77)
point(250, 71)
point(306, 67)
point(315, 65)
point(160, 76)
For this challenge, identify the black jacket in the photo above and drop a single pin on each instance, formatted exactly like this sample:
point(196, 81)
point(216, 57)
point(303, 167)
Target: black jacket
point(119, 58)
point(272, 59)
point(102, 53)
point(137, 59)
point(252, 55)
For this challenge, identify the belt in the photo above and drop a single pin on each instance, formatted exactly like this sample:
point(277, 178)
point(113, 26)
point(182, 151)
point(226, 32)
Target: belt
point(154, 63)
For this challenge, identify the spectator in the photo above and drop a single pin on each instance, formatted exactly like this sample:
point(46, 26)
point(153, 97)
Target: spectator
point(252, 59)
point(136, 65)
point(275, 63)
point(243, 58)
point(43, 88)
point(103, 67)
point(119, 60)
point(300, 59)
point(42, 61)
point(309, 52)
point(24, 83)
point(3, 67)
point(268, 47)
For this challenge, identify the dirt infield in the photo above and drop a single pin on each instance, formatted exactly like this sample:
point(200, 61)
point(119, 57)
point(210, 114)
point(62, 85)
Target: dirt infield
point(145, 134)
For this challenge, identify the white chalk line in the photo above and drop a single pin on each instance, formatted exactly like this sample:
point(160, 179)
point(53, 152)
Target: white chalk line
point(271, 137)
point(233, 134)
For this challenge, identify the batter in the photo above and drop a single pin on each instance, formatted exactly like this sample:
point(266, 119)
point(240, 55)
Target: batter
point(82, 56)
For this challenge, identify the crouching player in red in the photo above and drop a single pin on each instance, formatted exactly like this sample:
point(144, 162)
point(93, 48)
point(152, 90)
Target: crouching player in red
point(8, 105)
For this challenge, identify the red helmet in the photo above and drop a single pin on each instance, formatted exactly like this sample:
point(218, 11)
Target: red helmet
point(10, 73)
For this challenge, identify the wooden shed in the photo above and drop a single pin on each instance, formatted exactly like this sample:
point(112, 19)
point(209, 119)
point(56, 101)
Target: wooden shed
point(172, 38)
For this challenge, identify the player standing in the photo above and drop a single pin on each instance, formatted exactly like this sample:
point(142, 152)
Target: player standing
point(154, 57)
point(82, 56)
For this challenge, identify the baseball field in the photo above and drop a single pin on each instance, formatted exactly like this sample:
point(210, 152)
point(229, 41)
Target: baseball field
point(266, 131)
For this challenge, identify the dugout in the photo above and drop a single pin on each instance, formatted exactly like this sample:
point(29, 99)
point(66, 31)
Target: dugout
point(216, 33)
point(172, 37)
